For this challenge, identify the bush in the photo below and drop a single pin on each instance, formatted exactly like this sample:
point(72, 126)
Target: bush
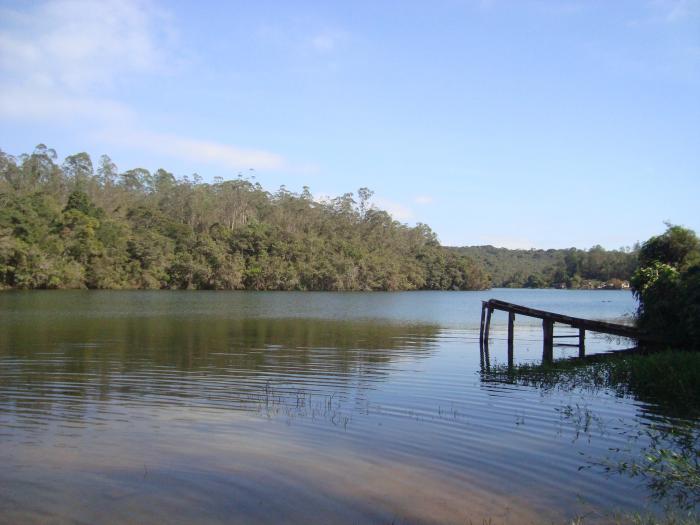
point(667, 285)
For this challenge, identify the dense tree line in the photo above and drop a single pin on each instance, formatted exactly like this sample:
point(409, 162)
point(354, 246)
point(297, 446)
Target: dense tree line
point(667, 285)
point(570, 268)
point(72, 225)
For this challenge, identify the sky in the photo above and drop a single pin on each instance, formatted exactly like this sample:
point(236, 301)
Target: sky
point(516, 123)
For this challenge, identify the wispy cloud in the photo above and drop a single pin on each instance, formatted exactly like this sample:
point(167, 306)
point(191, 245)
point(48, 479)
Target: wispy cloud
point(562, 8)
point(205, 151)
point(77, 45)
point(323, 42)
point(303, 40)
point(68, 58)
point(423, 199)
point(676, 10)
point(514, 243)
point(64, 57)
point(327, 40)
point(397, 210)
point(27, 103)
point(667, 12)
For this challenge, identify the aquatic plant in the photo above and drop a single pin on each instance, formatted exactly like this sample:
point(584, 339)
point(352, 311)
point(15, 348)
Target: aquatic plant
point(668, 380)
point(665, 454)
point(667, 457)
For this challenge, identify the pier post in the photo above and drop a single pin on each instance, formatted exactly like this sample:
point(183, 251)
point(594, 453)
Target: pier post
point(486, 359)
point(487, 328)
point(481, 326)
point(511, 323)
point(481, 357)
point(548, 320)
point(548, 340)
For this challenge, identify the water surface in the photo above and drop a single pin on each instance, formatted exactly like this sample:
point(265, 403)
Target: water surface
point(241, 407)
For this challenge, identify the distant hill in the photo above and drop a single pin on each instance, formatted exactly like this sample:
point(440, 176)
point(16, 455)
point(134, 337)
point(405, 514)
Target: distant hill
point(70, 225)
point(571, 268)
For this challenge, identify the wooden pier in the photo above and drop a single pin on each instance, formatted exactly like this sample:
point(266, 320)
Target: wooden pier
point(548, 321)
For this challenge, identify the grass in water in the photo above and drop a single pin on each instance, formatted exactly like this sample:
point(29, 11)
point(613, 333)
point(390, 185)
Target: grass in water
point(669, 380)
point(666, 455)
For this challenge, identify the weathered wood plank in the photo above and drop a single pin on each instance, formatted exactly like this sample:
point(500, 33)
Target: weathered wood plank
point(511, 329)
point(548, 340)
point(487, 329)
point(483, 319)
point(576, 322)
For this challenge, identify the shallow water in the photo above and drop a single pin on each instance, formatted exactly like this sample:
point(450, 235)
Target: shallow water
point(242, 407)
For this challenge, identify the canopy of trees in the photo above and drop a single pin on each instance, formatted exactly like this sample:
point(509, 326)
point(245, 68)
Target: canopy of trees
point(570, 268)
point(75, 225)
point(667, 285)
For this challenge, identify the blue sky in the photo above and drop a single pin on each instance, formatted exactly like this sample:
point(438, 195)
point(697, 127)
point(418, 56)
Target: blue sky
point(528, 123)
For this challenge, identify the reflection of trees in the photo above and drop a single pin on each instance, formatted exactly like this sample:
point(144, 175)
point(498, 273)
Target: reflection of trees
point(662, 447)
point(665, 382)
point(664, 453)
point(58, 369)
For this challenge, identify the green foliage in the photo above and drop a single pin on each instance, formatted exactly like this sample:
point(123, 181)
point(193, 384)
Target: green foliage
point(72, 226)
point(669, 380)
point(667, 285)
point(79, 201)
point(677, 246)
point(568, 268)
point(666, 457)
point(666, 454)
point(663, 450)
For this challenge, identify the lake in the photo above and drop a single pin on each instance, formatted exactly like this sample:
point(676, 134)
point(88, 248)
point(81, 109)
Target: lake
point(247, 407)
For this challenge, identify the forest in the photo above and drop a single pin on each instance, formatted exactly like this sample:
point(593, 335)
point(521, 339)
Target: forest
point(77, 225)
point(563, 268)
point(72, 224)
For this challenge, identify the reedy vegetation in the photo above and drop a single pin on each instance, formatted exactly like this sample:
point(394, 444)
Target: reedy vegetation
point(662, 450)
point(71, 226)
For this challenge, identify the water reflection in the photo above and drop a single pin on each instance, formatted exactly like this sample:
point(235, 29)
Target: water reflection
point(660, 446)
point(59, 371)
point(231, 408)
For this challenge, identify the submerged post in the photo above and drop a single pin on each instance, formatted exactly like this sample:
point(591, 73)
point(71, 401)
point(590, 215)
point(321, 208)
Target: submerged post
point(548, 340)
point(511, 323)
point(485, 359)
point(481, 326)
point(487, 328)
point(548, 320)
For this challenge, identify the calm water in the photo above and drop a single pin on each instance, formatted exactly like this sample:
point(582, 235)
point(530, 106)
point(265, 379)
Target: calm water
point(181, 407)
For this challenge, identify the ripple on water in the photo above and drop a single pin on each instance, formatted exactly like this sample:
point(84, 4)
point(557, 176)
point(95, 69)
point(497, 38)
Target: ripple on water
point(246, 412)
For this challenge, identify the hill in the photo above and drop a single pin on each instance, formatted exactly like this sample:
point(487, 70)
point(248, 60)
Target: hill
point(70, 225)
point(571, 268)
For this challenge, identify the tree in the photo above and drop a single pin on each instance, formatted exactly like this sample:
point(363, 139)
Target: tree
point(677, 246)
point(69, 226)
point(78, 168)
point(667, 285)
point(107, 172)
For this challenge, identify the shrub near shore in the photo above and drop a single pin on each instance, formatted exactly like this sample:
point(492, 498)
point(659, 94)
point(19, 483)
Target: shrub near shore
point(667, 285)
